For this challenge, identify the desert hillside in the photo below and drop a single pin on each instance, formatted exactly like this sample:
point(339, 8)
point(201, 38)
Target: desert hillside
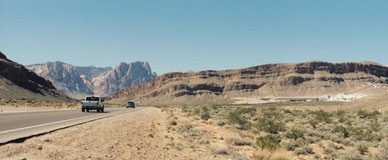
point(310, 79)
point(17, 82)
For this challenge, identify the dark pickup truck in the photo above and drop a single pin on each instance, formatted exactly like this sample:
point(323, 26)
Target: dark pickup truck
point(131, 104)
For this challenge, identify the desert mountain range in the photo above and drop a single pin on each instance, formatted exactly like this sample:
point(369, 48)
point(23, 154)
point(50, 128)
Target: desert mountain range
point(17, 82)
point(308, 79)
point(136, 82)
point(76, 82)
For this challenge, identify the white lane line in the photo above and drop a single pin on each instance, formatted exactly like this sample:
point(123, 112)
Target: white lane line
point(18, 129)
point(39, 111)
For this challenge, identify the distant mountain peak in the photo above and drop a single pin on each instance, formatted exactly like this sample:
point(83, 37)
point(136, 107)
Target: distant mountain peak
point(18, 82)
point(123, 76)
point(2, 56)
point(78, 81)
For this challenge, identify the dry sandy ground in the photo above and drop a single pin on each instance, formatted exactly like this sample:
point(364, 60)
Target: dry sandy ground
point(135, 135)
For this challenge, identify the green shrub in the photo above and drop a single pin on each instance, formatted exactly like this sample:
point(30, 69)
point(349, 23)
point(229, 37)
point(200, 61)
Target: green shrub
point(216, 107)
point(310, 140)
point(295, 133)
point(205, 109)
point(322, 116)
point(362, 148)
point(246, 110)
point(185, 108)
point(197, 111)
point(235, 118)
point(221, 123)
point(269, 125)
point(351, 156)
point(298, 113)
point(301, 142)
point(347, 142)
point(354, 131)
point(289, 146)
point(342, 119)
point(299, 151)
point(369, 136)
point(272, 113)
point(365, 114)
point(205, 116)
point(385, 119)
point(287, 111)
point(341, 129)
point(327, 151)
point(313, 123)
point(269, 141)
point(336, 147)
point(375, 126)
point(308, 150)
point(383, 152)
point(360, 134)
point(304, 150)
point(332, 155)
point(339, 113)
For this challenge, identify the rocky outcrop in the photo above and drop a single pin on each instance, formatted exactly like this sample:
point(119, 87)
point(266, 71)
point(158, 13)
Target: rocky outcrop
point(65, 77)
point(18, 82)
point(123, 76)
point(271, 80)
point(91, 72)
point(78, 82)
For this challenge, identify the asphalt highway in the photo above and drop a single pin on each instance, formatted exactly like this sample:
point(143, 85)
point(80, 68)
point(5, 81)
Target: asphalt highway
point(19, 125)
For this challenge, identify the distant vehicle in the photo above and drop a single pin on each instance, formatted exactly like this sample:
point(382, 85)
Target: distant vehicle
point(131, 104)
point(93, 103)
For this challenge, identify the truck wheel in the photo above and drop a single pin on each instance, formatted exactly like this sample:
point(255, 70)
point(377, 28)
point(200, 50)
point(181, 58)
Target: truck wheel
point(83, 110)
point(87, 110)
point(102, 110)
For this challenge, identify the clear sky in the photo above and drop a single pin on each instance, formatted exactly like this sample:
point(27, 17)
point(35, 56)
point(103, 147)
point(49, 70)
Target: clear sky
point(194, 35)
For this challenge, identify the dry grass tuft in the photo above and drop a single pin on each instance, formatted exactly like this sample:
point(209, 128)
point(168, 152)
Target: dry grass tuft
point(265, 154)
point(236, 141)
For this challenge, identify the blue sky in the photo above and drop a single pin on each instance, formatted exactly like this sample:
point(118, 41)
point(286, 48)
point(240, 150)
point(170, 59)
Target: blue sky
point(194, 35)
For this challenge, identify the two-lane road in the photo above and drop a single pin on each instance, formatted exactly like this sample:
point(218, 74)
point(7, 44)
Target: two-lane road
point(19, 125)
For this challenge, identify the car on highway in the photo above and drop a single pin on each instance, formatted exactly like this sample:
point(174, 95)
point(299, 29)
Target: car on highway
point(131, 104)
point(93, 103)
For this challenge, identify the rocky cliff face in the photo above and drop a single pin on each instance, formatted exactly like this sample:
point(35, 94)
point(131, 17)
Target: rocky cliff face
point(272, 80)
point(18, 82)
point(65, 77)
point(123, 76)
point(78, 82)
point(91, 72)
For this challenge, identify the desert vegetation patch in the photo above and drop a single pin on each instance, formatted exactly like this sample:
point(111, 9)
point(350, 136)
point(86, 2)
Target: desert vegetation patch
point(260, 132)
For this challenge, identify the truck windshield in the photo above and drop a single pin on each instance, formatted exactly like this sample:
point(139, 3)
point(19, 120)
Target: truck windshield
point(92, 99)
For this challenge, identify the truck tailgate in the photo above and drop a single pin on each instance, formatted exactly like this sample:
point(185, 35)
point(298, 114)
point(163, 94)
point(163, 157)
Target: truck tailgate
point(89, 103)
